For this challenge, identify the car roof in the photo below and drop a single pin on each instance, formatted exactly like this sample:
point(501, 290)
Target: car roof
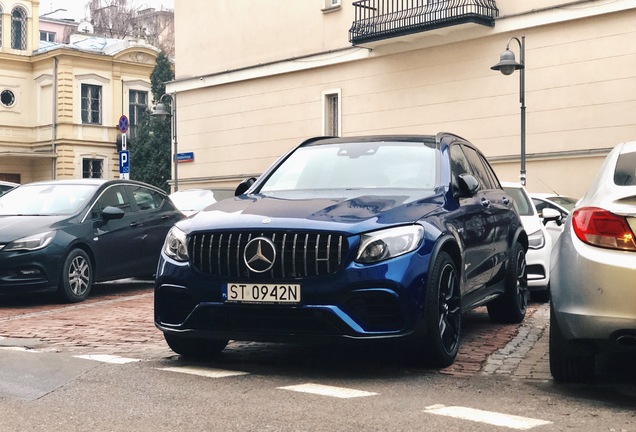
point(92, 181)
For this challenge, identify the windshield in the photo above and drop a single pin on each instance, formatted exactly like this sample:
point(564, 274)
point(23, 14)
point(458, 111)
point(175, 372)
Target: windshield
point(357, 165)
point(521, 201)
point(46, 199)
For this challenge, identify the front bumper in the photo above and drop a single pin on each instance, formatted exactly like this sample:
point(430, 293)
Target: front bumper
point(30, 272)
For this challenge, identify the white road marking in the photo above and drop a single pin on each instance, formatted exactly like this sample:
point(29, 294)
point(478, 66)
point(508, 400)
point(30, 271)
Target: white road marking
point(108, 358)
point(323, 390)
point(15, 348)
point(204, 372)
point(489, 417)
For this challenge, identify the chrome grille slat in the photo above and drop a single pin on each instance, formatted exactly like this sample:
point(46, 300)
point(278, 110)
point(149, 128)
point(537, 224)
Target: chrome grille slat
point(299, 254)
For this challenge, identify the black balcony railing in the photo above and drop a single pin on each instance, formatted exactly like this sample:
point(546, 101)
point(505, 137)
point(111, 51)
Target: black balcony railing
point(382, 19)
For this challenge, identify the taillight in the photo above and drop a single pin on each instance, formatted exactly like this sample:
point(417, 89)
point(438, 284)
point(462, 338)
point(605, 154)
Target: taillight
point(602, 228)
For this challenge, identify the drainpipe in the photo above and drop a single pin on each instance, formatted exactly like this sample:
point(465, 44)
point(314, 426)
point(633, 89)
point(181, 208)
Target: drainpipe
point(54, 119)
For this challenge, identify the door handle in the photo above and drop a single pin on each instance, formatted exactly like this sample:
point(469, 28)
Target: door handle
point(485, 202)
point(134, 224)
point(506, 201)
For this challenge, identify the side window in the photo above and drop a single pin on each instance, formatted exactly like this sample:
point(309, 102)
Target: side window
point(114, 196)
point(459, 165)
point(147, 199)
point(478, 169)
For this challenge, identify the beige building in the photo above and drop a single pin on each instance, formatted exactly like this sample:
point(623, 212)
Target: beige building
point(256, 77)
point(60, 103)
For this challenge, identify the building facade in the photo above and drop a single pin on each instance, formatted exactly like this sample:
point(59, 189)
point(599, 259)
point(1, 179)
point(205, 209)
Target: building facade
point(249, 89)
point(60, 103)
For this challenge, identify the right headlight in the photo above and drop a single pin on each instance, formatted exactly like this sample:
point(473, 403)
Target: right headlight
point(389, 243)
point(536, 240)
point(176, 245)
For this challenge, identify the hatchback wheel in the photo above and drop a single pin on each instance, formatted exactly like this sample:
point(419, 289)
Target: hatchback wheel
point(77, 277)
point(511, 306)
point(570, 361)
point(195, 347)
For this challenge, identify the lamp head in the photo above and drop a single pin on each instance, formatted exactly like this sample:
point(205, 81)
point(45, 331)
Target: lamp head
point(507, 63)
point(160, 111)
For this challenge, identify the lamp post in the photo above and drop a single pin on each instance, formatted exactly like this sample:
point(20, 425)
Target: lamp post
point(507, 65)
point(161, 112)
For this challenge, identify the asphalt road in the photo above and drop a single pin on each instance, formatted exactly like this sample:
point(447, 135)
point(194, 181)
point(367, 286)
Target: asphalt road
point(102, 366)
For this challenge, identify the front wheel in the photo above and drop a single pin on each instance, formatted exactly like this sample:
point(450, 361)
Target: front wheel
point(440, 345)
point(77, 277)
point(511, 306)
point(196, 348)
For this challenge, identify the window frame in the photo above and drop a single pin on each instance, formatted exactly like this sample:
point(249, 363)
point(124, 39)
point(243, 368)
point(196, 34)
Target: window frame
point(92, 161)
point(332, 112)
point(19, 28)
point(88, 120)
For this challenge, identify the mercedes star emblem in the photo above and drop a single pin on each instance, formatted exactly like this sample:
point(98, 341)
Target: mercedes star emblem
point(259, 254)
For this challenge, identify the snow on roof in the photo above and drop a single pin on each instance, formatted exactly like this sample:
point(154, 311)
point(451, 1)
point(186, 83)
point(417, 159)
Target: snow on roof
point(94, 44)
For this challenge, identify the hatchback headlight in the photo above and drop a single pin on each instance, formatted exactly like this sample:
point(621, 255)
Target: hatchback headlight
point(389, 243)
point(176, 245)
point(536, 240)
point(31, 243)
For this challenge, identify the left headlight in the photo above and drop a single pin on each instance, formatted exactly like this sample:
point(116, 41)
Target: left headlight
point(536, 240)
point(389, 243)
point(31, 243)
point(176, 245)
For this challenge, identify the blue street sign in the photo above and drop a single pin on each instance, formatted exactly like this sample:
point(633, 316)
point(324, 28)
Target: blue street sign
point(123, 124)
point(124, 162)
point(185, 157)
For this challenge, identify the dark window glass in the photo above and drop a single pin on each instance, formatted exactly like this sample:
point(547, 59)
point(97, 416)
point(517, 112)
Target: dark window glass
point(91, 104)
point(147, 199)
point(114, 196)
point(18, 29)
point(459, 165)
point(625, 173)
point(137, 108)
point(478, 169)
point(92, 168)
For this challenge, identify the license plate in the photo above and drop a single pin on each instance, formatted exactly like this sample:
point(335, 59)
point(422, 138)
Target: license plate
point(262, 293)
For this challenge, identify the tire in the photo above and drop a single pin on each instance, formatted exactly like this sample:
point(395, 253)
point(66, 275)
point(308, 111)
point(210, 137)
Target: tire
point(439, 347)
point(511, 306)
point(542, 296)
point(76, 280)
point(570, 361)
point(195, 347)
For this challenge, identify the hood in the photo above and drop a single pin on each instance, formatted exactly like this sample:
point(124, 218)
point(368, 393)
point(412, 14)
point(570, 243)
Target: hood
point(16, 227)
point(350, 212)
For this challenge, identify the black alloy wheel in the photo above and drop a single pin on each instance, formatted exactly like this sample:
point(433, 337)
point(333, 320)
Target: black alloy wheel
point(511, 306)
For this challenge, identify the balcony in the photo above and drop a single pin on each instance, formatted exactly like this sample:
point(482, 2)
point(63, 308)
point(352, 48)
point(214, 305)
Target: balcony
point(377, 20)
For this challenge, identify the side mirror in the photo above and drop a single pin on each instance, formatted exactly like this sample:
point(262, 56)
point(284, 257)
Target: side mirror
point(550, 214)
point(244, 186)
point(468, 185)
point(111, 213)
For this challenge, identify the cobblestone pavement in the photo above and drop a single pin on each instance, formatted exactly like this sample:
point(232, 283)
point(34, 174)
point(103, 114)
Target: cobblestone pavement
point(118, 320)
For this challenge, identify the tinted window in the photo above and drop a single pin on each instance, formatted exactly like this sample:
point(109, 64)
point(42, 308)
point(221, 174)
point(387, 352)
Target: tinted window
point(146, 199)
point(114, 196)
point(459, 165)
point(625, 173)
point(480, 172)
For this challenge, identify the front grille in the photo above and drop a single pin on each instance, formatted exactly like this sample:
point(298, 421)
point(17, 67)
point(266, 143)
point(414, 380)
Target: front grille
point(298, 254)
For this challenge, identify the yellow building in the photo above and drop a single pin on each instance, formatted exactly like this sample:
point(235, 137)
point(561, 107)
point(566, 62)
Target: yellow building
point(60, 104)
point(256, 77)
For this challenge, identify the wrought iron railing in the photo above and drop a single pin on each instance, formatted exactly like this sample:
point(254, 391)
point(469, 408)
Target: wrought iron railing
point(381, 19)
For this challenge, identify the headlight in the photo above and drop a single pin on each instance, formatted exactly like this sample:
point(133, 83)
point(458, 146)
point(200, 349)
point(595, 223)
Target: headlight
point(536, 240)
point(31, 243)
point(389, 243)
point(176, 245)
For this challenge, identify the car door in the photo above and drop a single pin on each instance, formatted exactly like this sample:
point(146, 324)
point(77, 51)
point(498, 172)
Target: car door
point(500, 210)
point(472, 222)
point(114, 241)
point(155, 216)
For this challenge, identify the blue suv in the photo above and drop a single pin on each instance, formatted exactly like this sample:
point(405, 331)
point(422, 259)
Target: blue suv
point(365, 238)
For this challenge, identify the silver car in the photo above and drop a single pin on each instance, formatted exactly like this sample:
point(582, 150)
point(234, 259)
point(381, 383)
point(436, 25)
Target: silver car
point(593, 276)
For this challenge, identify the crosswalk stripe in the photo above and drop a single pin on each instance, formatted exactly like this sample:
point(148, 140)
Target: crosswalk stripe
point(107, 358)
point(204, 372)
point(323, 390)
point(489, 417)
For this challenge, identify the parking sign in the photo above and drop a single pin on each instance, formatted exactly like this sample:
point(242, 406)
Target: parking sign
point(124, 162)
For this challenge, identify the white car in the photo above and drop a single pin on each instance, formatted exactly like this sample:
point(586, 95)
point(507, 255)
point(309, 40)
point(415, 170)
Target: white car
point(539, 241)
point(561, 203)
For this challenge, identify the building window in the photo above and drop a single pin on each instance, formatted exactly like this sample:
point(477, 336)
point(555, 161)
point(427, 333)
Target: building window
point(1, 12)
point(331, 4)
point(18, 29)
point(331, 113)
point(7, 98)
point(92, 168)
point(47, 36)
point(137, 107)
point(91, 104)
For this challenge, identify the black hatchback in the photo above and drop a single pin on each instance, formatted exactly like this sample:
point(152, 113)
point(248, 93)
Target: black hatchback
point(64, 235)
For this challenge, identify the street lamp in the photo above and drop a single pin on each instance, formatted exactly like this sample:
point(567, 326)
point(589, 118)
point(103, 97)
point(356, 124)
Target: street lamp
point(161, 112)
point(507, 65)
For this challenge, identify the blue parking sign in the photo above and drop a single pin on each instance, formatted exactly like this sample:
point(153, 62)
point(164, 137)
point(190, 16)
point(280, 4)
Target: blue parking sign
point(124, 162)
